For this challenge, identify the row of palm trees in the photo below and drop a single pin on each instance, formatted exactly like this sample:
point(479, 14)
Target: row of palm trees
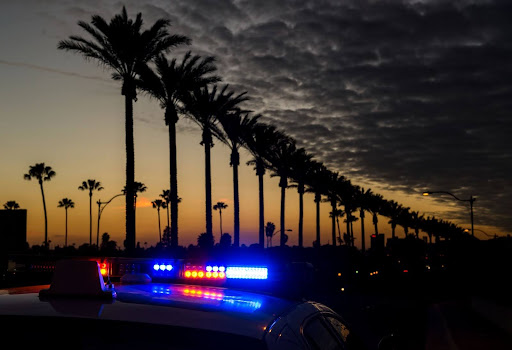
point(189, 87)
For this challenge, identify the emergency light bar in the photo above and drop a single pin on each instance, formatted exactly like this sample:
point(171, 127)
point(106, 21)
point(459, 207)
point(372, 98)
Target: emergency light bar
point(246, 272)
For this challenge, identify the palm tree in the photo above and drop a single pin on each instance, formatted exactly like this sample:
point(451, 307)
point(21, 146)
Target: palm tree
point(280, 158)
point(11, 205)
point(393, 210)
point(258, 143)
point(158, 203)
point(363, 200)
point(166, 196)
point(301, 166)
point(318, 181)
point(123, 47)
point(332, 180)
point(42, 173)
point(138, 187)
point(66, 203)
point(91, 186)
point(219, 206)
point(269, 232)
point(336, 214)
point(171, 82)
point(235, 127)
point(204, 106)
point(416, 222)
point(375, 206)
point(346, 196)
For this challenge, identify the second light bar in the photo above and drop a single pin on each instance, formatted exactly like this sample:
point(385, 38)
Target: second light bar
point(245, 272)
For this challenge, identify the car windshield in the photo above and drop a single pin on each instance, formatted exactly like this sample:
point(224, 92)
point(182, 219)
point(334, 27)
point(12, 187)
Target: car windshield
point(82, 333)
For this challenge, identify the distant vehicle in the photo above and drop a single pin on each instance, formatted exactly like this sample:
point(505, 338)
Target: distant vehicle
point(80, 310)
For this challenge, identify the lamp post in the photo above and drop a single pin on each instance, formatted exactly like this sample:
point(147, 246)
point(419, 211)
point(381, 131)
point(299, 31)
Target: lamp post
point(269, 239)
point(100, 210)
point(471, 200)
point(485, 233)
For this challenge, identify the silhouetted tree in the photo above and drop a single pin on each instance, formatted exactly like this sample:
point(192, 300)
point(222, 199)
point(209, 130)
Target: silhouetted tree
point(171, 82)
point(204, 106)
point(11, 205)
point(258, 143)
point(125, 48)
point(269, 232)
point(219, 206)
point(42, 173)
point(158, 203)
point(235, 127)
point(66, 203)
point(90, 185)
point(166, 196)
point(205, 240)
point(225, 240)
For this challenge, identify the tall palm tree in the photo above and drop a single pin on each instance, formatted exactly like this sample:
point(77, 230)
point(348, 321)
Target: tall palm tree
point(66, 203)
point(301, 166)
point(158, 203)
point(416, 222)
point(336, 214)
point(169, 84)
point(91, 186)
point(318, 182)
point(219, 206)
point(235, 127)
point(258, 143)
point(11, 205)
point(204, 106)
point(42, 173)
point(363, 200)
point(346, 196)
point(332, 180)
point(280, 159)
point(393, 210)
point(375, 206)
point(124, 47)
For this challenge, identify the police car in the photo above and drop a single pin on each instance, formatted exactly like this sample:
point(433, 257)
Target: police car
point(82, 309)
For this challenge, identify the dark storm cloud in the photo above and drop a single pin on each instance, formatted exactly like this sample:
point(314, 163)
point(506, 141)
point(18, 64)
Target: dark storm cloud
point(411, 95)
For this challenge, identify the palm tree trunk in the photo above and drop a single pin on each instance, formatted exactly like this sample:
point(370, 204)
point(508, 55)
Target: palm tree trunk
point(159, 226)
point(375, 223)
point(262, 209)
point(220, 215)
point(66, 239)
point(90, 217)
point(317, 201)
point(130, 167)
point(283, 184)
point(45, 216)
point(173, 181)
point(333, 221)
point(393, 231)
point(301, 215)
point(207, 141)
point(347, 213)
point(361, 215)
point(235, 161)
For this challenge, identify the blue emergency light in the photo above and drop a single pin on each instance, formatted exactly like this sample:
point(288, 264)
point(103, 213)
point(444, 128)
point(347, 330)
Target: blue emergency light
point(246, 272)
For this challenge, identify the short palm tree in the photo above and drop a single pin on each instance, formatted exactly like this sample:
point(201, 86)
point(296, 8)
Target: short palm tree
point(166, 197)
point(124, 47)
point(219, 206)
point(158, 203)
point(235, 127)
point(204, 106)
point(11, 205)
point(336, 214)
point(91, 186)
point(42, 173)
point(66, 203)
point(331, 194)
point(269, 232)
point(169, 84)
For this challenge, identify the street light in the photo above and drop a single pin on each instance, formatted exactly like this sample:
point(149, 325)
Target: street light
point(485, 233)
point(100, 210)
point(269, 238)
point(471, 200)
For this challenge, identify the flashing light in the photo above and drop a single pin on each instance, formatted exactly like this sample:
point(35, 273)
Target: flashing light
point(209, 271)
point(246, 272)
point(405, 271)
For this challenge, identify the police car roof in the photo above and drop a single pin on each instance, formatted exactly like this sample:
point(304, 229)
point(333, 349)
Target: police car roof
point(201, 307)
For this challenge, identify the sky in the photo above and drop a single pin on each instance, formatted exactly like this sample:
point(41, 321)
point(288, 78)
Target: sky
point(397, 96)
